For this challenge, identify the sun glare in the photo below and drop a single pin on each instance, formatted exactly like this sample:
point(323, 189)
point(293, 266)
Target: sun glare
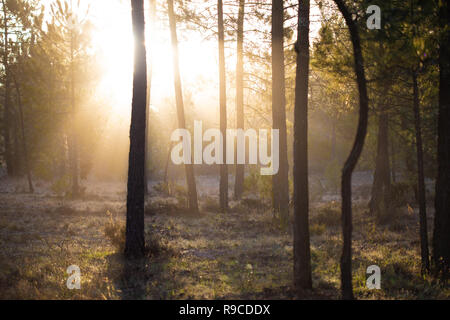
point(114, 40)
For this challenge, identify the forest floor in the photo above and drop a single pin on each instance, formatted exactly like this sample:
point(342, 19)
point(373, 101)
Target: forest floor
point(242, 254)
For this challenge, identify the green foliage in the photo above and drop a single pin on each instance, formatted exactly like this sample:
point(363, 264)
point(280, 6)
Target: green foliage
point(61, 186)
point(258, 184)
point(317, 229)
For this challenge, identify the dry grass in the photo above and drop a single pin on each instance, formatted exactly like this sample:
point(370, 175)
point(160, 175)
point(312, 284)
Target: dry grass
point(242, 254)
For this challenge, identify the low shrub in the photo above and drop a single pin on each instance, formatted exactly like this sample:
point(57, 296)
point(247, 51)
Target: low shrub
point(328, 215)
point(114, 230)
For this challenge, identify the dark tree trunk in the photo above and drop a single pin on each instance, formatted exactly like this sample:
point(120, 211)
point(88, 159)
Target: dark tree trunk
point(190, 176)
point(223, 110)
point(149, 87)
point(302, 254)
point(6, 107)
point(379, 203)
point(239, 181)
point(134, 243)
point(24, 140)
point(441, 233)
point(352, 160)
point(280, 180)
point(421, 180)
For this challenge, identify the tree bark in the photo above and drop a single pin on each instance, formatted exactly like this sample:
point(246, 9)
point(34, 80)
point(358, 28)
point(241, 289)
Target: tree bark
point(280, 187)
point(381, 188)
point(149, 87)
point(302, 254)
point(441, 233)
point(223, 110)
point(24, 140)
point(189, 168)
point(73, 134)
point(6, 107)
point(352, 160)
point(240, 168)
point(420, 180)
point(134, 242)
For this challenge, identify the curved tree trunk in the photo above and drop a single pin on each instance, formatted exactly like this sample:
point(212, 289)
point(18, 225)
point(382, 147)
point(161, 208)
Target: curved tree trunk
point(302, 254)
point(134, 241)
point(190, 176)
point(239, 180)
point(350, 163)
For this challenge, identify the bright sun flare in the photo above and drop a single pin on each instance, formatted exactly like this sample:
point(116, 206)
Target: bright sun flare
point(113, 37)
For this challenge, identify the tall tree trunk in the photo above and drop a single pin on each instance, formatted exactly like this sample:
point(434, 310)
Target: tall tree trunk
point(379, 203)
point(73, 139)
point(190, 177)
point(223, 110)
point(24, 140)
point(280, 180)
point(420, 180)
point(302, 254)
point(352, 160)
point(441, 233)
point(151, 22)
point(6, 107)
point(239, 181)
point(134, 241)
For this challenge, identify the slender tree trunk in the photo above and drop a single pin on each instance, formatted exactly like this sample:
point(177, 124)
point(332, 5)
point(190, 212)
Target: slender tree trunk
point(74, 140)
point(420, 180)
point(239, 181)
point(441, 233)
point(190, 176)
point(223, 110)
point(280, 180)
point(6, 106)
point(149, 87)
point(302, 254)
point(24, 140)
point(134, 241)
point(352, 160)
point(381, 188)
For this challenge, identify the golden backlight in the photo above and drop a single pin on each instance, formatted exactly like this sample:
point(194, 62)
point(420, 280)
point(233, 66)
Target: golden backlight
point(113, 38)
